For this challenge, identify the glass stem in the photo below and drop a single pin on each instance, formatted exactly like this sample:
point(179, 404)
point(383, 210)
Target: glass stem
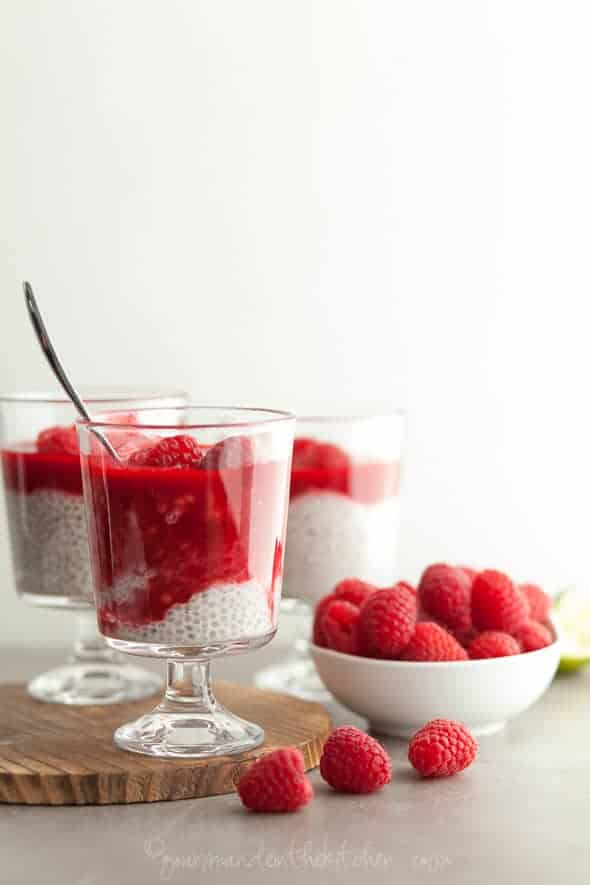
point(304, 615)
point(89, 645)
point(188, 685)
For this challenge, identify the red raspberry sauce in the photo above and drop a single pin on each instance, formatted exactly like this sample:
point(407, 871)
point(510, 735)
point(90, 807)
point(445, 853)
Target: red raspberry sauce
point(171, 533)
point(189, 528)
point(367, 482)
point(26, 471)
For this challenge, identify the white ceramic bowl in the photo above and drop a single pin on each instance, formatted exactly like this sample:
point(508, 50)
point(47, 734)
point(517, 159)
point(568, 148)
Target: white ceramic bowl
point(398, 697)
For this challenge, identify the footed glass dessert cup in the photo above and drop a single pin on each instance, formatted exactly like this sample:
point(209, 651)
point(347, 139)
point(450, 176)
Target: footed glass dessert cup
point(343, 523)
point(48, 538)
point(186, 539)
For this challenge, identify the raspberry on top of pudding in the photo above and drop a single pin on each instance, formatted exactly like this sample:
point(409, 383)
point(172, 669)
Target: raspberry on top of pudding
point(52, 461)
point(343, 516)
point(320, 466)
point(186, 540)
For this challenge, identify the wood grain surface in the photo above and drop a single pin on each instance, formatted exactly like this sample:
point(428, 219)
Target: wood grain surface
point(54, 754)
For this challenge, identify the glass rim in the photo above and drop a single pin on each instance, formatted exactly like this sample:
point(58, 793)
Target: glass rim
point(357, 418)
point(94, 395)
point(265, 416)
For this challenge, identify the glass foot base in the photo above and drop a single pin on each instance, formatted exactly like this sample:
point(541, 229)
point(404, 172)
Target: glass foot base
point(94, 683)
point(189, 735)
point(296, 676)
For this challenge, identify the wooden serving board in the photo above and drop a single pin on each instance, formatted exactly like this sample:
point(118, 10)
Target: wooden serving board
point(52, 754)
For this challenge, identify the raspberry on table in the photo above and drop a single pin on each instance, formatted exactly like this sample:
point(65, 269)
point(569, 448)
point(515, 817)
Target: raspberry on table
point(339, 626)
point(431, 642)
point(353, 590)
point(532, 636)
point(387, 621)
point(442, 748)
point(493, 644)
point(172, 451)
point(58, 441)
point(539, 601)
point(445, 594)
point(354, 762)
point(496, 604)
point(276, 782)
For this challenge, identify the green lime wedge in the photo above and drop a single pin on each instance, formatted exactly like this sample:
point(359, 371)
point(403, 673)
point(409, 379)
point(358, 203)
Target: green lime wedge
point(571, 616)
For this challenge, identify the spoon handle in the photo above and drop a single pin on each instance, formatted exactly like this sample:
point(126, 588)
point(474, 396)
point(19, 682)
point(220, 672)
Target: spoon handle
point(49, 351)
point(56, 366)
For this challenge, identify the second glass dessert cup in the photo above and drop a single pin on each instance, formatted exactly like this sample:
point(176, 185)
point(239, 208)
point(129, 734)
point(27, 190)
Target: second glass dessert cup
point(343, 523)
point(186, 539)
point(49, 544)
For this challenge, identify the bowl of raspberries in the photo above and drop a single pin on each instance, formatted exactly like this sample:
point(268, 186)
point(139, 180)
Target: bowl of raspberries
point(466, 645)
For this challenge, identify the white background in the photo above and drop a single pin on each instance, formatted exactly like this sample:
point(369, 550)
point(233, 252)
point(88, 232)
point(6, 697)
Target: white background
point(306, 204)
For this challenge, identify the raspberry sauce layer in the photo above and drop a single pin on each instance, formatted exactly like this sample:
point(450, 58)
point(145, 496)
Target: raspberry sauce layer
point(26, 470)
point(46, 523)
point(322, 467)
point(159, 536)
point(363, 482)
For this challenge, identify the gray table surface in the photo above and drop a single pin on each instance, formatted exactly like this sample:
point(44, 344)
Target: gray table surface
point(520, 814)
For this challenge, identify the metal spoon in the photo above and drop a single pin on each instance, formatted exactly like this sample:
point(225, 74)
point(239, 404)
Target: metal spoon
point(57, 368)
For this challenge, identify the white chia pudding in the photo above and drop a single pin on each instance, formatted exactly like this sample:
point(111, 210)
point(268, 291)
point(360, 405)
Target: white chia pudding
point(331, 536)
point(221, 613)
point(343, 514)
point(50, 545)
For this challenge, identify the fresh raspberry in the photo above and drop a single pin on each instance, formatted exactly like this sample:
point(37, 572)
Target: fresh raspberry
point(303, 451)
point(58, 441)
point(318, 631)
point(470, 572)
point(464, 637)
point(131, 444)
point(308, 454)
point(493, 644)
point(330, 457)
point(340, 626)
point(431, 642)
point(539, 602)
point(353, 590)
point(387, 621)
point(533, 636)
point(496, 604)
point(172, 451)
point(230, 454)
point(276, 782)
point(441, 748)
point(445, 593)
point(354, 762)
